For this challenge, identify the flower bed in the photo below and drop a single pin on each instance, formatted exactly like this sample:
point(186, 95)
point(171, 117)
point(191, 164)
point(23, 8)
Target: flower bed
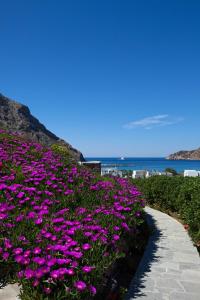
point(61, 226)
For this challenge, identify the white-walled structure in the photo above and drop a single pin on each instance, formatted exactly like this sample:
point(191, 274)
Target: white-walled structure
point(111, 171)
point(191, 173)
point(163, 173)
point(147, 174)
point(139, 174)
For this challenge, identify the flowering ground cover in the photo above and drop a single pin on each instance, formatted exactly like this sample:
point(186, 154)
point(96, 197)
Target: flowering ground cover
point(61, 227)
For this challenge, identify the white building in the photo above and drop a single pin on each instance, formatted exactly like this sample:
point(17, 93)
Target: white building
point(163, 173)
point(147, 174)
point(191, 173)
point(111, 171)
point(139, 174)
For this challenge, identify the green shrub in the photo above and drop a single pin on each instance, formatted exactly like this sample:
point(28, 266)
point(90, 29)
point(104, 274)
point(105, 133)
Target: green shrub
point(189, 205)
point(175, 195)
point(161, 190)
point(61, 151)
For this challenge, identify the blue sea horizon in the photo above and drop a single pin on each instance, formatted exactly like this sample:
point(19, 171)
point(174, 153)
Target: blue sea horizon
point(147, 163)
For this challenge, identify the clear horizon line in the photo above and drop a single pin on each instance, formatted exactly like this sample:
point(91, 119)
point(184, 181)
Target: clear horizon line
point(124, 156)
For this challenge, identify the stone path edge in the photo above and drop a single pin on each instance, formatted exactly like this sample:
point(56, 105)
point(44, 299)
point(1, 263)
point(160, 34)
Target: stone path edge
point(170, 266)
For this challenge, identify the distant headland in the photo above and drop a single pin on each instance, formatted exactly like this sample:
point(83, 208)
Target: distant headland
point(185, 155)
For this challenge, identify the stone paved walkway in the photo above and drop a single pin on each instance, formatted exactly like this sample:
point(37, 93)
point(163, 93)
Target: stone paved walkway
point(170, 267)
point(10, 292)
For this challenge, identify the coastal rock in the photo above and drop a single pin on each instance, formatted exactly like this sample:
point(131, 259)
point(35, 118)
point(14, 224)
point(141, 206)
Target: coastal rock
point(16, 117)
point(185, 155)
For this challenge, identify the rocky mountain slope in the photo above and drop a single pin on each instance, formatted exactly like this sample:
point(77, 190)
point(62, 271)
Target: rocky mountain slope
point(16, 117)
point(191, 155)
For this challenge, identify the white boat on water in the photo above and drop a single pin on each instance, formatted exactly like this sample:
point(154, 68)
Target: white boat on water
point(122, 158)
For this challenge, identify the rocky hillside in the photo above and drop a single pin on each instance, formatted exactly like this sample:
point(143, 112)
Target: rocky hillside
point(191, 155)
point(16, 117)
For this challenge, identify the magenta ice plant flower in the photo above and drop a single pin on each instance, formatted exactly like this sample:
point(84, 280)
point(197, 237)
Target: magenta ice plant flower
point(80, 285)
point(87, 269)
point(86, 246)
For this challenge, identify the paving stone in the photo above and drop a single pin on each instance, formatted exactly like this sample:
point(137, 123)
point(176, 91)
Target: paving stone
point(150, 296)
point(191, 275)
point(188, 258)
point(170, 265)
point(10, 292)
point(184, 296)
point(192, 287)
point(188, 266)
point(170, 261)
point(169, 283)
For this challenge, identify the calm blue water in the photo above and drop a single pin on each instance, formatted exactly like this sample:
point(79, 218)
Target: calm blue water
point(148, 163)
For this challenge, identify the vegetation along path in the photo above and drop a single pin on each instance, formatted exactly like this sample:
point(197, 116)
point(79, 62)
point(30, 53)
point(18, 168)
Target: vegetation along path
point(170, 267)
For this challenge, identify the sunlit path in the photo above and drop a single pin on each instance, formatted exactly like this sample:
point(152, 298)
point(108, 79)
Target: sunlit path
point(170, 268)
point(10, 292)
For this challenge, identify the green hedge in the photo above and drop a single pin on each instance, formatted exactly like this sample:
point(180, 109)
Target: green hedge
point(176, 194)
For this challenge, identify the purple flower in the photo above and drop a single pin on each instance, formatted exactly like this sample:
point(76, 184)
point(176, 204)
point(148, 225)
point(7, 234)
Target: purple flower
point(17, 251)
point(87, 269)
point(125, 226)
point(80, 285)
point(116, 228)
point(38, 221)
point(37, 250)
point(39, 260)
point(36, 282)
point(70, 272)
point(19, 258)
point(86, 246)
point(20, 195)
point(62, 261)
point(47, 290)
point(68, 192)
point(92, 289)
point(3, 216)
point(74, 264)
point(28, 273)
point(55, 274)
point(5, 256)
point(51, 262)
point(58, 220)
point(27, 253)
point(39, 273)
point(7, 243)
point(137, 213)
point(20, 274)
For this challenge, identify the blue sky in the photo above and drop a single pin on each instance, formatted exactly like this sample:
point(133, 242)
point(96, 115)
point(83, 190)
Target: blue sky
point(111, 77)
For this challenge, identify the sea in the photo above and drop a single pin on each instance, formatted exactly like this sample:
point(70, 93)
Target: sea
point(146, 163)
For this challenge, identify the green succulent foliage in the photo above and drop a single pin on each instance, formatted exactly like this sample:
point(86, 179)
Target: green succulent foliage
point(175, 194)
point(62, 151)
point(189, 201)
